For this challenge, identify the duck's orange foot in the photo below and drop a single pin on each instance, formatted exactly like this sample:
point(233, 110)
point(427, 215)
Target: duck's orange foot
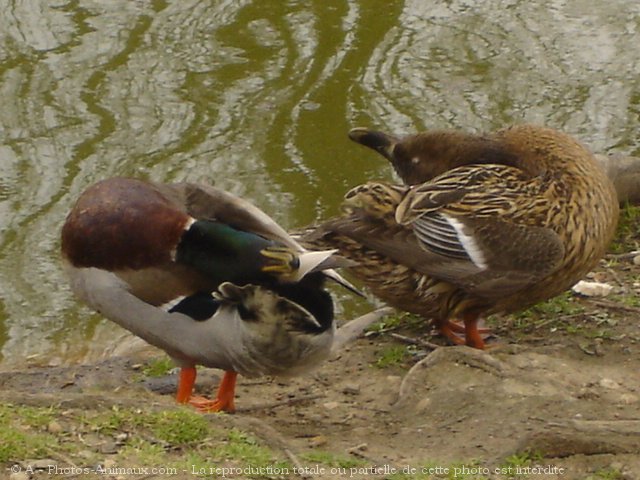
point(447, 331)
point(472, 334)
point(223, 401)
point(205, 405)
point(458, 328)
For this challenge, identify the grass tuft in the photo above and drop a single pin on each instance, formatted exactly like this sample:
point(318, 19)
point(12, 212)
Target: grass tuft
point(391, 356)
point(626, 238)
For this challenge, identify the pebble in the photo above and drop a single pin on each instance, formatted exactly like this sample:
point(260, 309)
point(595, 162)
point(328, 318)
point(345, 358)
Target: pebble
point(54, 427)
point(19, 476)
point(592, 289)
point(351, 389)
point(85, 453)
point(40, 464)
point(628, 399)
point(109, 447)
point(423, 405)
point(317, 418)
point(331, 405)
point(362, 447)
point(318, 441)
point(609, 384)
point(636, 260)
point(393, 380)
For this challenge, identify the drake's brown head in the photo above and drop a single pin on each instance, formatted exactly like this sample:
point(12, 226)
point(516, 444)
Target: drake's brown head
point(419, 158)
point(122, 223)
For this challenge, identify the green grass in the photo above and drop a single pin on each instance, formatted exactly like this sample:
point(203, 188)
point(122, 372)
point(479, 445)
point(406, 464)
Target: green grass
point(390, 322)
point(106, 422)
point(143, 451)
point(562, 305)
point(35, 417)
point(332, 459)
point(177, 427)
point(396, 321)
point(23, 432)
point(158, 367)
point(392, 356)
point(511, 465)
point(563, 313)
point(16, 445)
point(628, 300)
point(173, 438)
point(239, 444)
point(471, 470)
point(628, 231)
point(606, 474)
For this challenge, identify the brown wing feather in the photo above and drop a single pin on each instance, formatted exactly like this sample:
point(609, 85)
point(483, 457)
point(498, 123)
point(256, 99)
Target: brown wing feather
point(496, 224)
point(207, 202)
point(463, 228)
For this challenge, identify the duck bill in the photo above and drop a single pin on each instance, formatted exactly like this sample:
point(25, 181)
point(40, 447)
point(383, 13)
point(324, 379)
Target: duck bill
point(325, 261)
point(379, 141)
point(340, 280)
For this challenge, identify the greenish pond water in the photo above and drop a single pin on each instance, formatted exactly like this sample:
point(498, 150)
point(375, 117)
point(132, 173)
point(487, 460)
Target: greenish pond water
point(257, 96)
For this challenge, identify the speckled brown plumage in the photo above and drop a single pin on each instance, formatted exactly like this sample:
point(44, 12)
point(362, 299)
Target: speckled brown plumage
point(489, 223)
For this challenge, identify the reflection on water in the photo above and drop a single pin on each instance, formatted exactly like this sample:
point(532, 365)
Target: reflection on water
point(257, 96)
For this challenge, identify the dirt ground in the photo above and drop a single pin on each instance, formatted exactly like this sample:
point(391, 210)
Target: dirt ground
point(556, 397)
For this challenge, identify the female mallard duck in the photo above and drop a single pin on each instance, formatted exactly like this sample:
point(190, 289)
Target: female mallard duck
point(489, 223)
point(148, 256)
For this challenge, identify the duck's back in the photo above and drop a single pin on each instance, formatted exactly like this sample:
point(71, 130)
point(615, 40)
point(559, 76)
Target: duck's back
point(583, 205)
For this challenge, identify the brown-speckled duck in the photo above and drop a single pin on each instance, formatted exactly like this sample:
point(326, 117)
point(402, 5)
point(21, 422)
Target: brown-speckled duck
point(485, 223)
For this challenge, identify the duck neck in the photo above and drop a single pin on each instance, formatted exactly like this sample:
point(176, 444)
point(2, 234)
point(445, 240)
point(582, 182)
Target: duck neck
point(222, 253)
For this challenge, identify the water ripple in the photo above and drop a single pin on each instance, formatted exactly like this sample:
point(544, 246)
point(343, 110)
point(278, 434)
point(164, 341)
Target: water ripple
point(257, 97)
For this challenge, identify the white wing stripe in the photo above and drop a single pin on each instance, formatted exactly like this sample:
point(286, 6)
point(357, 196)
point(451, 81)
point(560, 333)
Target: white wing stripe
point(469, 243)
point(448, 244)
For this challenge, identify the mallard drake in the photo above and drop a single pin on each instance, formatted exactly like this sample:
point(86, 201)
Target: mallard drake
point(204, 275)
point(486, 223)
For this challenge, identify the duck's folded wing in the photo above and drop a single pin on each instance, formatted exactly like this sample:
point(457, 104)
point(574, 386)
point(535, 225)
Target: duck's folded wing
point(494, 217)
point(204, 201)
point(474, 260)
point(208, 202)
point(460, 233)
point(508, 256)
